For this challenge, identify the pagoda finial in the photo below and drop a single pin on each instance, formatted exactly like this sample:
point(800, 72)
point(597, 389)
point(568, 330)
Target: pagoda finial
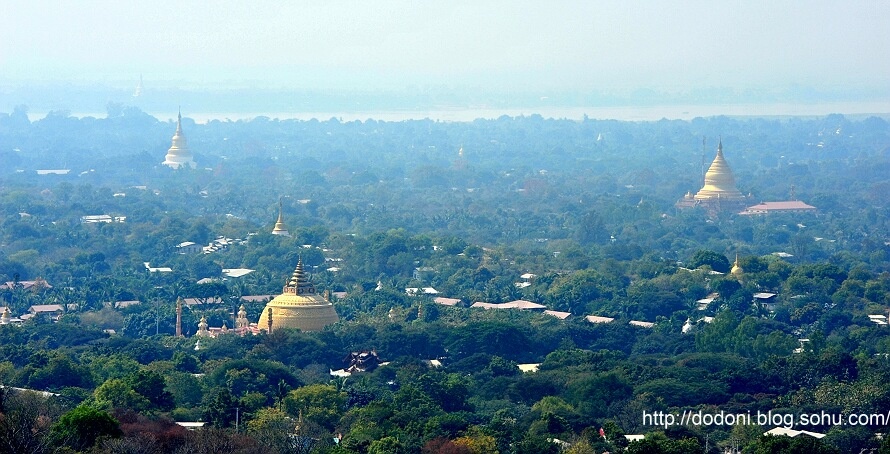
point(720, 146)
point(299, 273)
point(299, 284)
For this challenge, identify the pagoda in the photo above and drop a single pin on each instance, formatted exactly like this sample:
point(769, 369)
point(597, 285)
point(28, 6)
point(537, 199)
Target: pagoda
point(719, 192)
point(280, 228)
point(298, 306)
point(179, 156)
point(737, 271)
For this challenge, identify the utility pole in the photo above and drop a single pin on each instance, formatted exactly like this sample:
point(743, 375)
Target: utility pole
point(157, 316)
point(179, 317)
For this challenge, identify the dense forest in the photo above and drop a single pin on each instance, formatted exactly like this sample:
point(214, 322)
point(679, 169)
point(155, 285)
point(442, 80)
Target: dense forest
point(373, 208)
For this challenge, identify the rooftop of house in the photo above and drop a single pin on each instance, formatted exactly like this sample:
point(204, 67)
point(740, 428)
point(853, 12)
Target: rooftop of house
point(641, 324)
point(778, 431)
point(236, 272)
point(446, 301)
point(558, 314)
point(785, 205)
point(517, 304)
point(44, 308)
point(9, 285)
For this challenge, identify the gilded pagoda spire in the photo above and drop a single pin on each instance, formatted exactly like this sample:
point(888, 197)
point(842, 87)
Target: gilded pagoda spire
point(736, 270)
point(298, 306)
point(280, 228)
point(719, 181)
point(298, 283)
point(179, 155)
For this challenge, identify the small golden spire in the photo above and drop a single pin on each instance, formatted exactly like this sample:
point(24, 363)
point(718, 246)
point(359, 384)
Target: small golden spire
point(736, 268)
point(280, 228)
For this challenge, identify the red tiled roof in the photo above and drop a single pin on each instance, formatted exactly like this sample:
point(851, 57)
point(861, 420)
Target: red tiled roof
point(788, 205)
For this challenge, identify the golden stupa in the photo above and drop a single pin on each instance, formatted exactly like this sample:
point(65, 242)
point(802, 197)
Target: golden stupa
point(719, 182)
point(736, 270)
point(298, 306)
point(178, 155)
point(280, 228)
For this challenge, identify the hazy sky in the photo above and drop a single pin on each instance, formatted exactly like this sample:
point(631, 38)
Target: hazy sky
point(572, 45)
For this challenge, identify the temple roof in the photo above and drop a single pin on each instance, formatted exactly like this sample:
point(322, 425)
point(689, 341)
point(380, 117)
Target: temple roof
point(787, 205)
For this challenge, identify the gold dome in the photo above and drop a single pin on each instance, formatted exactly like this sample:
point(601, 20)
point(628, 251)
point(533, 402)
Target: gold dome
point(179, 155)
point(736, 270)
point(298, 306)
point(719, 182)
